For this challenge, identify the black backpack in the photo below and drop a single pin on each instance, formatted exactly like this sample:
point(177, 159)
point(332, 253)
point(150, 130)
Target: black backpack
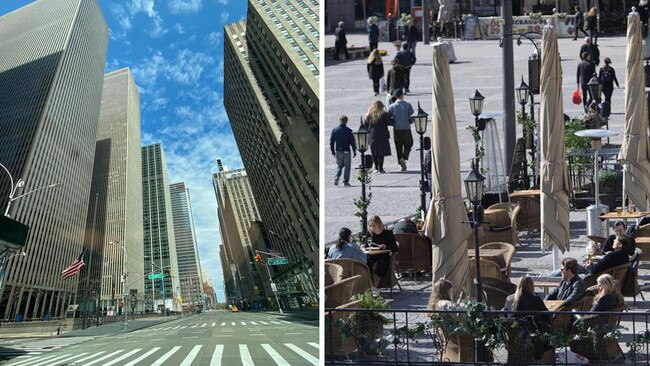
point(606, 75)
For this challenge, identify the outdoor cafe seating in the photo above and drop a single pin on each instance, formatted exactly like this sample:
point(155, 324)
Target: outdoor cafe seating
point(389, 280)
point(333, 273)
point(353, 267)
point(336, 343)
point(414, 254)
point(499, 224)
point(605, 350)
point(340, 292)
point(505, 260)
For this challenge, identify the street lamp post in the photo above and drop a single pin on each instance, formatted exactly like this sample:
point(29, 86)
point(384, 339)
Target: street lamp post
point(268, 271)
point(476, 107)
point(361, 138)
point(420, 120)
point(596, 89)
point(19, 184)
point(124, 280)
point(522, 96)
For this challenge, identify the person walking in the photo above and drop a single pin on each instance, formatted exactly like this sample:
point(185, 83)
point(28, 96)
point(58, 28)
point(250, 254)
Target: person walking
point(592, 24)
point(406, 60)
point(579, 22)
point(607, 76)
point(644, 12)
point(375, 68)
point(401, 112)
point(411, 35)
point(586, 69)
point(373, 33)
point(341, 42)
point(377, 121)
point(394, 81)
point(592, 50)
point(341, 142)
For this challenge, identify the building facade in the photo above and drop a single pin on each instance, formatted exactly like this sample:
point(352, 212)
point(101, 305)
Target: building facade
point(187, 252)
point(115, 247)
point(159, 238)
point(271, 96)
point(51, 75)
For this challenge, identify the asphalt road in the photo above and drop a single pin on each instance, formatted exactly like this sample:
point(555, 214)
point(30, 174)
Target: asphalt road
point(208, 339)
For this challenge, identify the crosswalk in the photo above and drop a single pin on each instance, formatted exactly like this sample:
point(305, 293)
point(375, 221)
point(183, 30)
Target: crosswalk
point(12, 348)
point(215, 325)
point(248, 355)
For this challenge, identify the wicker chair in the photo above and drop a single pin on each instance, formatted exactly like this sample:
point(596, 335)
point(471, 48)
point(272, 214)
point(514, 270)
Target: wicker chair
point(508, 257)
point(335, 344)
point(340, 292)
point(496, 297)
point(562, 322)
point(488, 269)
point(630, 285)
point(521, 351)
point(414, 253)
point(353, 267)
point(617, 272)
point(530, 218)
point(500, 224)
point(389, 280)
point(605, 350)
point(333, 273)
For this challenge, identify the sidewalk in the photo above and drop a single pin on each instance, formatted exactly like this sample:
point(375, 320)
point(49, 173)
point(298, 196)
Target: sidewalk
point(310, 314)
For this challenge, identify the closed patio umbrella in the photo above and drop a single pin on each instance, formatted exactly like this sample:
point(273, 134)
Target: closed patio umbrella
point(553, 169)
point(634, 154)
point(447, 217)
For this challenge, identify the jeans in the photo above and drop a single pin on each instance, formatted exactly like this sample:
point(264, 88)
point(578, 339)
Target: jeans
point(343, 161)
point(586, 96)
point(403, 143)
point(411, 46)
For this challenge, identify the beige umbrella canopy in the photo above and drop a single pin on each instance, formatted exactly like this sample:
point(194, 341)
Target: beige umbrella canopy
point(634, 152)
point(447, 214)
point(554, 173)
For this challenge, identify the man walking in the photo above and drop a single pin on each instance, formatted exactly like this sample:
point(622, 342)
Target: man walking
point(373, 33)
point(341, 141)
point(586, 69)
point(592, 50)
point(401, 112)
point(580, 23)
point(341, 42)
point(405, 60)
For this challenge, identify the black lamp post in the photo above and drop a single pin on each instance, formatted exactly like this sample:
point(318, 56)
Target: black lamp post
point(361, 138)
point(522, 96)
point(476, 107)
point(420, 120)
point(474, 189)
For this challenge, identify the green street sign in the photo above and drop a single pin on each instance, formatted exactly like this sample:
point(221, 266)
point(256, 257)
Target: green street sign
point(153, 276)
point(277, 261)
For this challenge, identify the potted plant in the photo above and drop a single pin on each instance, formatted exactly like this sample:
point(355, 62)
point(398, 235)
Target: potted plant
point(367, 327)
point(581, 166)
point(607, 178)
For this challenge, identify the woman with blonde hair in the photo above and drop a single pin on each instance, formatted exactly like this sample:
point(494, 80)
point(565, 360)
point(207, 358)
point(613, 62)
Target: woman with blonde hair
point(377, 121)
point(375, 68)
point(591, 19)
point(608, 296)
point(382, 238)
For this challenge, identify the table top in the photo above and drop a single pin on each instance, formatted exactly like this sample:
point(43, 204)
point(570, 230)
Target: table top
point(642, 239)
point(527, 192)
point(487, 252)
point(624, 215)
point(376, 251)
point(553, 305)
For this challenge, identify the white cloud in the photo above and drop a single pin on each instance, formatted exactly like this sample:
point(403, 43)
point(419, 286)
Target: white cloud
point(215, 38)
point(224, 2)
point(157, 31)
point(188, 66)
point(179, 28)
point(125, 15)
point(185, 6)
point(224, 16)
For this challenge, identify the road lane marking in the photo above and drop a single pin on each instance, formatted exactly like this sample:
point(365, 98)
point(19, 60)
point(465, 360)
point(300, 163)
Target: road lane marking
point(284, 321)
point(184, 326)
point(255, 334)
point(292, 333)
point(242, 323)
point(265, 323)
point(279, 360)
point(305, 355)
point(253, 323)
point(246, 358)
point(32, 361)
point(194, 326)
point(313, 344)
point(51, 360)
point(188, 360)
point(103, 357)
point(222, 324)
point(204, 324)
point(166, 356)
point(216, 356)
point(224, 335)
point(190, 337)
point(233, 323)
point(72, 357)
point(213, 324)
point(176, 327)
point(274, 322)
point(142, 357)
point(123, 357)
point(91, 356)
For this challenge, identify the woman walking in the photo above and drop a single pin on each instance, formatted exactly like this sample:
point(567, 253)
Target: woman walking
point(607, 76)
point(375, 68)
point(373, 33)
point(592, 24)
point(377, 120)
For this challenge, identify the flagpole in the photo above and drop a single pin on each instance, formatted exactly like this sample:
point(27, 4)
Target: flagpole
point(90, 263)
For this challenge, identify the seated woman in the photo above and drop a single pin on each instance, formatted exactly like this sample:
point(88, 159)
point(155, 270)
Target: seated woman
point(345, 249)
point(440, 298)
point(379, 264)
point(608, 296)
point(524, 298)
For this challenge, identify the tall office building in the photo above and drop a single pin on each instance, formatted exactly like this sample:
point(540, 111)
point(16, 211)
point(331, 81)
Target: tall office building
point(271, 97)
point(52, 55)
point(187, 253)
point(229, 288)
point(115, 244)
point(236, 209)
point(159, 238)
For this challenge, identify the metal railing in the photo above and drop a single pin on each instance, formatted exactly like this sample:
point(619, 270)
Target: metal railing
point(420, 337)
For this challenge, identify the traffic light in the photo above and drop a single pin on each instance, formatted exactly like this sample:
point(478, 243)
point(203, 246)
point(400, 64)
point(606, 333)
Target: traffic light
point(167, 272)
point(258, 258)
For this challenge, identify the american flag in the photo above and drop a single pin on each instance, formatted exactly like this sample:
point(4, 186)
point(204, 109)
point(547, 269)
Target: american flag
point(75, 267)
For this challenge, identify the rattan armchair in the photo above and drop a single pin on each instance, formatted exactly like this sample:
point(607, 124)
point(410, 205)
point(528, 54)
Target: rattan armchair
point(335, 343)
point(507, 257)
point(500, 224)
point(414, 253)
point(353, 267)
point(605, 350)
point(340, 292)
point(333, 273)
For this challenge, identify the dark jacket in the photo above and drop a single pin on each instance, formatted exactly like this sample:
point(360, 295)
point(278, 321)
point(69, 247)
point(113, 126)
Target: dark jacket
point(394, 79)
point(373, 33)
point(385, 237)
point(405, 58)
point(339, 33)
point(379, 136)
point(342, 139)
point(611, 260)
point(643, 13)
point(593, 50)
point(609, 245)
point(569, 291)
point(375, 71)
point(612, 71)
point(528, 302)
point(412, 34)
point(579, 19)
point(586, 70)
point(592, 22)
point(405, 226)
point(606, 303)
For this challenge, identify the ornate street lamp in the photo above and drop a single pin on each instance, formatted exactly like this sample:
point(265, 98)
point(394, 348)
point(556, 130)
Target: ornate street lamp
point(476, 107)
point(361, 138)
point(522, 95)
point(595, 88)
point(420, 121)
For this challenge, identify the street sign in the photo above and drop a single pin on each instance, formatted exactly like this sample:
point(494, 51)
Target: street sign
point(277, 261)
point(154, 276)
point(273, 288)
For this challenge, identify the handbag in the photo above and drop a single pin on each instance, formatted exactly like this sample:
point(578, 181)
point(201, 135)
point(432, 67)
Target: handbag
point(577, 99)
point(382, 85)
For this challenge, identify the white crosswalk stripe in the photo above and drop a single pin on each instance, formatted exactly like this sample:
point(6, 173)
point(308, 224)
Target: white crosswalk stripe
point(222, 324)
point(204, 324)
point(242, 323)
point(128, 354)
point(89, 357)
point(71, 358)
point(284, 321)
point(265, 323)
point(32, 361)
point(142, 357)
point(279, 360)
point(305, 355)
point(102, 358)
point(216, 356)
point(166, 356)
point(213, 324)
point(274, 322)
point(253, 323)
point(51, 360)
point(233, 323)
point(246, 358)
point(195, 325)
point(188, 360)
point(314, 344)
point(176, 327)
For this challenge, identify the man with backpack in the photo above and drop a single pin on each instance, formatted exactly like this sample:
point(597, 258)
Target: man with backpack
point(607, 76)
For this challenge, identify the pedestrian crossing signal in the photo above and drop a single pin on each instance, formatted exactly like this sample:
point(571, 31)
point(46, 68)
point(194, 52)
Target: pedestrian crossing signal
point(258, 258)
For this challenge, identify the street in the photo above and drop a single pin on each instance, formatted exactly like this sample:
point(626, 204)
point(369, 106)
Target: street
point(208, 339)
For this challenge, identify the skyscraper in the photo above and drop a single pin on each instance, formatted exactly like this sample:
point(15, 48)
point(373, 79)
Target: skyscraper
point(51, 74)
point(159, 238)
point(187, 253)
point(118, 188)
point(271, 97)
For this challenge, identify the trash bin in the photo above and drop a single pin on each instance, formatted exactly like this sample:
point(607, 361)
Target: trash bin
point(596, 226)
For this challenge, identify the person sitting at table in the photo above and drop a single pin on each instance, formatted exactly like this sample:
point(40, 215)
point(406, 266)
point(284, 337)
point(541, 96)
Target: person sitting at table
point(524, 298)
point(608, 296)
point(614, 258)
point(344, 247)
point(619, 229)
point(571, 288)
point(440, 298)
point(405, 226)
point(379, 264)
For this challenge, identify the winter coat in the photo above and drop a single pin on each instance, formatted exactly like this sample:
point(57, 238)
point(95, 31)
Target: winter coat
point(379, 136)
point(375, 71)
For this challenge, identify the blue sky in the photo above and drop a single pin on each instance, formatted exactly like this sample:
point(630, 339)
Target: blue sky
point(175, 51)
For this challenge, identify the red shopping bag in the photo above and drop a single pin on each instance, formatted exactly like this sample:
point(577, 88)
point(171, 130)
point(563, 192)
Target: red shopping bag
point(577, 99)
